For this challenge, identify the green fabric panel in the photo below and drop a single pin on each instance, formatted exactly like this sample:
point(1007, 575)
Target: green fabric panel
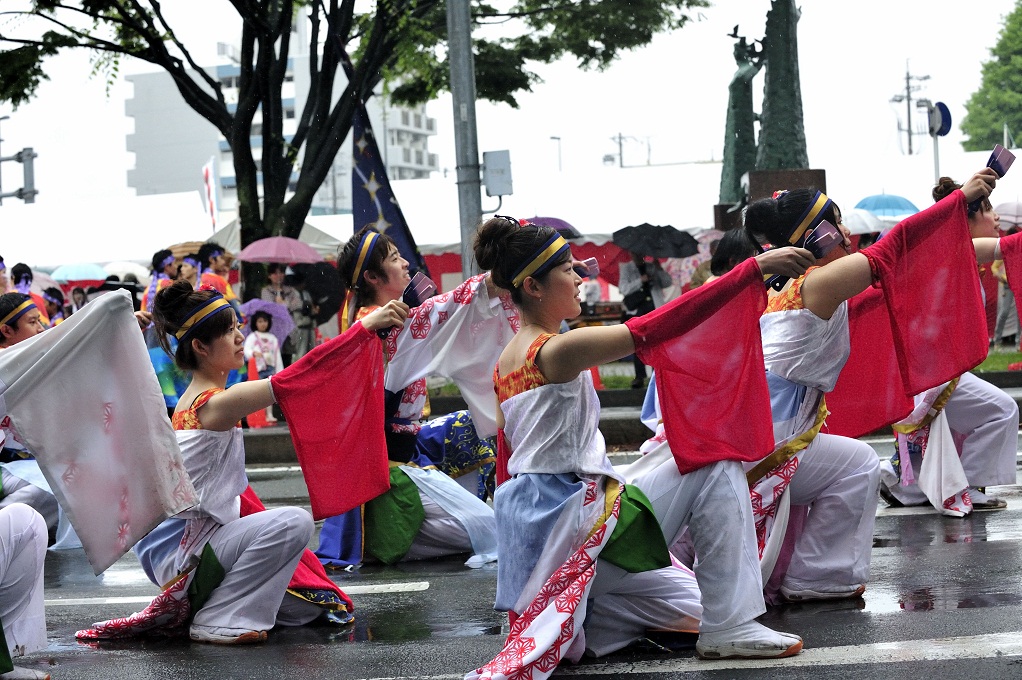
point(208, 576)
point(6, 663)
point(637, 543)
point(393, 519)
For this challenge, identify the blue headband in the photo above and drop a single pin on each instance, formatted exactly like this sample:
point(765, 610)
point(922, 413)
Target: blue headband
point(542, 260)
point(365, 251)
point(201, 314)
point(26, 306)
point(810, 218)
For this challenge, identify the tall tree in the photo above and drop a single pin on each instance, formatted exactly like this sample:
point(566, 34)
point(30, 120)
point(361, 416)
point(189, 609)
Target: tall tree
point(403, 38)
point(998, 101)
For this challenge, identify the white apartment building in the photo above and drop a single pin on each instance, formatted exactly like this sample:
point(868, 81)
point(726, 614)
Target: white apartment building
point(171, 142)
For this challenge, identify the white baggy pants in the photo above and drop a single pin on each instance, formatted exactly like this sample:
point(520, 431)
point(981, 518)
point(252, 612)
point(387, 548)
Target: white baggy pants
point(259, 553)
point(22, 553)
point(988, 418)
point(837, 478)
point(713, 502)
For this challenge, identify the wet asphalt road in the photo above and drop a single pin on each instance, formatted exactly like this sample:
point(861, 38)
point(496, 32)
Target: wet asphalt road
point(945, 600)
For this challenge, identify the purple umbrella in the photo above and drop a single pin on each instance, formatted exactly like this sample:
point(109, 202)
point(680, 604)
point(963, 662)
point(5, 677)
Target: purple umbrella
point(282, 322)
point(556, 223)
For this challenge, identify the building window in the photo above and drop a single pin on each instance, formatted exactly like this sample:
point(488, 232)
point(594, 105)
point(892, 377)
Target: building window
point(418, 120)
point(406, 155)
point(404, 118)
point(418, 157)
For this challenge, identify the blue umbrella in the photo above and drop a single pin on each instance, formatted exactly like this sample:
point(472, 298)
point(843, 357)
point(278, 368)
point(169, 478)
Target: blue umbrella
point(887, 205)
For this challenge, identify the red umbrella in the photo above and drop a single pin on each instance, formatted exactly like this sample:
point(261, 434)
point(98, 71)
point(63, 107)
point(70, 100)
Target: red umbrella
point(279, 249)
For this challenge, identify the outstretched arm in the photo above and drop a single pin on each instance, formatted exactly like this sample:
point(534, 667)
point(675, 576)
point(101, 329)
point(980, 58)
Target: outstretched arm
point(827, 287)
point(225, 409)
point(566, 355)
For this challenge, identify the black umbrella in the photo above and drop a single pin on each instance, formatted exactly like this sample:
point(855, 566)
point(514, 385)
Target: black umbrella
point(324, 285)
point(656, 241)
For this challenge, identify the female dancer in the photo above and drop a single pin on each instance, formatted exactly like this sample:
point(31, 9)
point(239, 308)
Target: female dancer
point(255, 554)
point(425, 513)
point(552, 512)
point(981, 418)
point(806, 344)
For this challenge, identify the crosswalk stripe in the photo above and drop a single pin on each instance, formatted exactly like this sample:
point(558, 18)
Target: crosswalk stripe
point(409, 587)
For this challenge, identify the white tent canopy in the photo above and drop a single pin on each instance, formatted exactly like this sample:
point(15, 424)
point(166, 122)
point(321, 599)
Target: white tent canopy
point(50, 232)
point(324, 243)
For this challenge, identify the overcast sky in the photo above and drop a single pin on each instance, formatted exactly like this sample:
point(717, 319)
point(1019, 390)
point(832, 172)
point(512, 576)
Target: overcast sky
point(669, 99)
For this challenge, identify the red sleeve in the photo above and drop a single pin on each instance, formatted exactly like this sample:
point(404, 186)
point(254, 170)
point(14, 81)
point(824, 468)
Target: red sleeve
point(926, 268)
point(708, 356)
point(332, 399)
point(867, 396)
point(1011, 252)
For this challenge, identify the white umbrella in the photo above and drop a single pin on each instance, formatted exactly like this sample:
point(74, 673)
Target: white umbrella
point(859, 221)
point(122, 267)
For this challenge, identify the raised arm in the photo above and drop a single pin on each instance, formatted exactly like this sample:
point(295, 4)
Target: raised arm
point(987, 249)
point(827, 287)
point(566, 355)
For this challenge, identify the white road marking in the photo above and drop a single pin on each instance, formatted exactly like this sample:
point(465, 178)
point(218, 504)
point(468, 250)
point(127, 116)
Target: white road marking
point(941, 649)
point(409, 587)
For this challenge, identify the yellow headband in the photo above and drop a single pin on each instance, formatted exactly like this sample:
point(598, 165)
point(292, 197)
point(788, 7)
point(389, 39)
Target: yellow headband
point(18, 311)
point(812, 215)
point(548, 252)
point(201, 314)
point(369, 240)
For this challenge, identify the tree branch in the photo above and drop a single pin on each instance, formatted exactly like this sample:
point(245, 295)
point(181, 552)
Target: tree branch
point(212, 82)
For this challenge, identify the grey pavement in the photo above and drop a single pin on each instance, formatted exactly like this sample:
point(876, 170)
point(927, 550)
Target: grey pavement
point(945, 598)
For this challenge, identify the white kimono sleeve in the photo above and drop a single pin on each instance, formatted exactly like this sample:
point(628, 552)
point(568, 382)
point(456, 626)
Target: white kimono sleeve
point(458, 335)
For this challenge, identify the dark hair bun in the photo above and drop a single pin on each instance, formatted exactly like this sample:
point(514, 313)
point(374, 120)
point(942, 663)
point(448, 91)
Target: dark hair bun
point(945, 187)
point(491, 245)
point(761, 216)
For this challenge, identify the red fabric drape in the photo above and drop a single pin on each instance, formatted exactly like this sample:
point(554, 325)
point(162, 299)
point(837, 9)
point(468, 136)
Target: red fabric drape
point(705, 347)
point(867, 396)
point(1011, 252)
point(332, 399)
point(926, 323)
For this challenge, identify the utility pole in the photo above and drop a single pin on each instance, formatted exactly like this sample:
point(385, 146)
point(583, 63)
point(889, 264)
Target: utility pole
point(907, 98)
point(27, 159)
point(466, 144)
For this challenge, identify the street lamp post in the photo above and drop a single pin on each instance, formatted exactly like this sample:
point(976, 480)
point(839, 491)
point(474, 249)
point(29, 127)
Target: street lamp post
point(558, 140)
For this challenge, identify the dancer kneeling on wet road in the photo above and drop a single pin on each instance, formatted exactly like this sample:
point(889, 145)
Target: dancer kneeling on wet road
point(565, 513)
point(246, 556)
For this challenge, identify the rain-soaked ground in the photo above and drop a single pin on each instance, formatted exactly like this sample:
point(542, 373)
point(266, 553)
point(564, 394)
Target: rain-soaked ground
point(945, 600)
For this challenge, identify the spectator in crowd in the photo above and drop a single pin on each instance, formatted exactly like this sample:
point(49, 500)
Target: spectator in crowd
point(277, 291)
point(642, 284)
point(54, 300)
point(190, 269)
point(78, 299)
point(303, 337)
